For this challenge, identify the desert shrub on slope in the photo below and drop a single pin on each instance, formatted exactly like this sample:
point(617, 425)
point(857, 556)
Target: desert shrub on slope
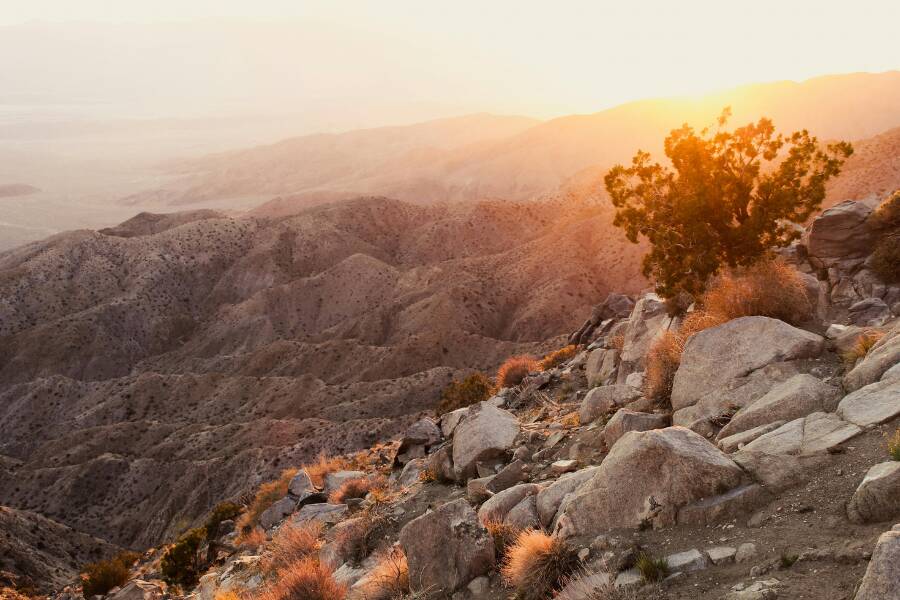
point(558, 356)
point(290, 544)
point(224, 511)
point(306, 579)
point(388, 580)
point(181, 563)
point(356, 488)
point(465, 392)
point(266, 495)
point(515, 369)
point(537, 565)
point(723, 202)
point(100, 577)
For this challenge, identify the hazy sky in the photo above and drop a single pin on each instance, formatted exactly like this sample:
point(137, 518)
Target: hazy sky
point(343, 64)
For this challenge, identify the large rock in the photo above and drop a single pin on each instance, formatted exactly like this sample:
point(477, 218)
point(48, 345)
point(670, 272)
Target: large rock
point(446, 548)
point(648, 320)
point(841, 232)
point(876, 403)
point(881, 357)
point(278, 511)
point(551, 497)
point(878, 496)
point(627, 420)
point(601, 366)
point(523, 515)
point(719, 366)
point(869, 312)
point(335, 480)
point(605, 399)
point(882, 578)
point(799, 396)
point(418, 439)
point(645, 479)
point(486, 432)
point(498, 506)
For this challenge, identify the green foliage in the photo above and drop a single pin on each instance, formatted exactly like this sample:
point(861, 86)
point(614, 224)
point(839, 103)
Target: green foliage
point(223, 511)
point(182, 562)
point(885, 259)
point(787, 560)
point(100, 577)
point(894, 445)
point(723, 201)
point(650, 568)
point(459, 394)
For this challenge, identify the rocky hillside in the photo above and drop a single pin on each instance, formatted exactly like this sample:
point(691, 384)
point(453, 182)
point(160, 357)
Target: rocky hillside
point(150, 369)
point(771, 471)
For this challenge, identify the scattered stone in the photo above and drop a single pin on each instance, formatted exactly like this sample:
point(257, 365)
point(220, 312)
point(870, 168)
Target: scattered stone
point(277, 512)
point(601, 366)
point(738, 440)
point(440, 463)
point(417, 440)
point(554, 438)
point(550, 498)
point(499, 505)
point(522, 453)
point(450, 420)
point(766, 589)
point(324, 514)
point(626, 420)
point(301, 485)
point(628, 578)
point(841, 232)
point(730, 505)
point(647, 321)
point(476, 489)
point(878, 496)
point(479, 587)
point(745, 552)
point(817, 433)
point(563, 466)
point(687, 561)
point(881, 357)
point(602, 400)
point(446, 548)
point(870, 312)
point(336, 479)
point(486, 432)
point(513, 473)
point(523, 515)
point(645, 479)
point(635, 380)
point(873, 404)
point(882, 578)
point(799, 396)
point(411, 472)
point(137, 589)
point(720, 555)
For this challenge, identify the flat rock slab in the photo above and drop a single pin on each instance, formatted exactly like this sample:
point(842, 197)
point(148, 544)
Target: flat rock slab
point(626, 420)
point(720, 555)
point(882, 578)
point(324, 514)
point(605, 399)
point(873, 404)
point(878, 496)
point(735, 442)
point(732, 504)
point(687, 561)
point(815, 434)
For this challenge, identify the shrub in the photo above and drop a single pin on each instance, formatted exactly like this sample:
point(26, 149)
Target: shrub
point(388, 580)
point(356, 488)
point(596, 586)
point(181, 563)
point(650, 568)
point(291, 543)
point(100, 577)
point(254, 538)
point(224, 511)
point(893, 445)
point(662, 362)
point(887, 215)
point(861, 346)
point(358, 537)
point(787, 560)
point(537, 565)
point(266, 495)
point(504, 535)
point(325, 465)
point(885, 258)
point(514, 369)
point(558, 356)
point(459, 394)
point(306, 579)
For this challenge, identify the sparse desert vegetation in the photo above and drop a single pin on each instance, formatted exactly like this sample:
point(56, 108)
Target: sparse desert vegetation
point(306, 579)
point(467, 391)
point(515, 368)
point(558, 356)
point(291, 543)
point(181, 562)
point(537, 565)
point(98, 578)
point(266, 495)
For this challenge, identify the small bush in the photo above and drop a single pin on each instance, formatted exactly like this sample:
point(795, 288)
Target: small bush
point(325, 465)
point(861, 346)
point(388, 580)
point(504, 536)
point(515, 369)
point(885, 258)
point(359, 537)
point(100, 577)
point(893, 445)
point(254, 538)
point(662, 362)
point(306, 579)
point(182, 563)
point(887, 215)
point(537, 565)
point(266, 495)
point(558, 356)
point(459, 394)
point(291, 543)
point(356, 488)
point(650, 568)
point(224, 511)
point(787, 560)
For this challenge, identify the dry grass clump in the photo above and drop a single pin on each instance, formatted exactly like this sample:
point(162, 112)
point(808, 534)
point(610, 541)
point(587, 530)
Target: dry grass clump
point(571, 420)
point(558, 356)
point(770, 289)
point(861, 346)
point(651, 568)
point(596, 586)
point(514, 369)
point(893, 445)
point(504, 535)
point(254, 538)
point(291, 543)
point(356, 488)
point(325, 465)
point(266, 495)
point(470, 390)
point(887, 214)
point(617, 342)
point(886, 258)
point(538, 565)
point(358, 537)
point(227, 595)
point(306, 579)
point(99, 577)
point(388, 580)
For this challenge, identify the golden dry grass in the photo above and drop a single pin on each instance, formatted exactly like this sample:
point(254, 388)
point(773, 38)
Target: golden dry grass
point(558, 356)
point(514, 369)
point(266, 495)
point(324, 465)
point(290, 544)
point(227, 595)
point(357, 488)
point(537, 565)
point(306, 579)
point(388, 580)
point(254, 538)
point(861, 346)
point(504, 535)
point(360, 536)
point(893, 445)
